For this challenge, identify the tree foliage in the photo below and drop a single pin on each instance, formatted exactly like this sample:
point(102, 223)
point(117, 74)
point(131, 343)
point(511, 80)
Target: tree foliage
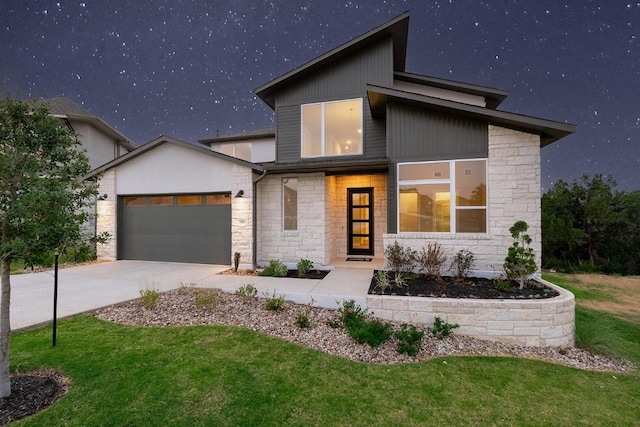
point(42, 197)
point(589, 226)
point(520, 261)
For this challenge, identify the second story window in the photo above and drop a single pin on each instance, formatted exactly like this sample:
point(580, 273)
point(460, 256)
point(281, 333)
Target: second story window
point(332, 128)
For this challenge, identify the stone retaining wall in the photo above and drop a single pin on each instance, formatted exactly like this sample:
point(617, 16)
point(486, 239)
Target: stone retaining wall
point(543, 323)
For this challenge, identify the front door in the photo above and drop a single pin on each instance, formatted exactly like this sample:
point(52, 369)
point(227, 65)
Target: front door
point(360, 221)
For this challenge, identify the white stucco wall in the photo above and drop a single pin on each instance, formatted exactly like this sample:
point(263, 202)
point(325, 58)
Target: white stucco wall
point(100, 148)
point(170, 169)
point(514, 194)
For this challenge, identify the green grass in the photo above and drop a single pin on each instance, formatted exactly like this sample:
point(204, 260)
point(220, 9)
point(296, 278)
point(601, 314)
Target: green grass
point(226, 376)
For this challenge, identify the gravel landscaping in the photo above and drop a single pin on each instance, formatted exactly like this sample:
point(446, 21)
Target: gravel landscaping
point(178, 308)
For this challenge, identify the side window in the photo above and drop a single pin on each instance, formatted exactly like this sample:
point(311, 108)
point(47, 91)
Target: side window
point(290, 203)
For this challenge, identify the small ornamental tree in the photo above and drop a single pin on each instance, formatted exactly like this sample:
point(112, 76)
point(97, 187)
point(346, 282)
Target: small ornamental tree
point(520, 262)
point(43, 199)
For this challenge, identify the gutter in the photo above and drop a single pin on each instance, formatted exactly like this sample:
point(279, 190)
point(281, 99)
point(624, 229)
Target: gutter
point(254, 215)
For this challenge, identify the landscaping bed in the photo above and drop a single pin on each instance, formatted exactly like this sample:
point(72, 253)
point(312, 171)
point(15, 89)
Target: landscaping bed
point(420, 285)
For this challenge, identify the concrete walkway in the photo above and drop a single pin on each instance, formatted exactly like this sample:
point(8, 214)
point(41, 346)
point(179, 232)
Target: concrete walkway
point(89, 287)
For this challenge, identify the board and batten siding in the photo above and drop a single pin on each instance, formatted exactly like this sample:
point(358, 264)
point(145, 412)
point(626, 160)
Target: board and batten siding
point(346, 79)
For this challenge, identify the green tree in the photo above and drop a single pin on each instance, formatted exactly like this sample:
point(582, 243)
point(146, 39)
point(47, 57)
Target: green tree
point(520, 262)
point(42, 197)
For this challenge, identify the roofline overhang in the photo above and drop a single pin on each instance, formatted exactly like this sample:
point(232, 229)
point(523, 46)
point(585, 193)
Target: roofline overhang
point(331, 167)
point(397, 28)
point(103, 126)
point(549, 131)
point(163, 139)
point(240, 137)
point(493, 97)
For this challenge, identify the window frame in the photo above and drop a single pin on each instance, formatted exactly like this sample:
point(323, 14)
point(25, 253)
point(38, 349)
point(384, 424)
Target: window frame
point(323, 127)
point(453, 205)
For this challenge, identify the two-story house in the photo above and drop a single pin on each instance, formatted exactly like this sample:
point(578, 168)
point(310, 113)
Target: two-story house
point(367, 154)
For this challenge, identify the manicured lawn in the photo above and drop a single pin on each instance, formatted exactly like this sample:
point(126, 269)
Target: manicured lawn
point(225, 376)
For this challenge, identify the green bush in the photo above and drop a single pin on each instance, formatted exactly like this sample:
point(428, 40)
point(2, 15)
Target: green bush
point(442, 329)
point(274, 303)
point(149, 298)
point(247, 291)
point(349, 314)
point(520, 262)
point(400, 259)
point(372, 332)
point(462, 263)
point(303, 319)
point(275, 269)
point(409, 339)
point(304, 265)
point(382, 280)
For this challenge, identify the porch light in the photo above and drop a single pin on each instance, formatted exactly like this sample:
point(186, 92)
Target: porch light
point(239, 195)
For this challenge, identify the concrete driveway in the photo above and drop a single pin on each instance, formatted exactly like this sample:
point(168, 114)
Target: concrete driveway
point(93, 286)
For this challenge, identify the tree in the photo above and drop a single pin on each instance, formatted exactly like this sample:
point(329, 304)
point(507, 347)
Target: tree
point(42, 197)
point(520, 262)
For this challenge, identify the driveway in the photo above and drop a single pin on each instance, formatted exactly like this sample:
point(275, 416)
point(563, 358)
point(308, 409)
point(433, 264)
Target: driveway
point(93, 286)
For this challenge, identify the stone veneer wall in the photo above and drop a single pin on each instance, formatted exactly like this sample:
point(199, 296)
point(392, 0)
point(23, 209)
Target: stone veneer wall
point(106, 220)
point(242, 216)
point(513, 193)
point(542, 323)
point(308, 241)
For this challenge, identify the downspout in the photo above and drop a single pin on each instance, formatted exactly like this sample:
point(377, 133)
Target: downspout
point(254, 214)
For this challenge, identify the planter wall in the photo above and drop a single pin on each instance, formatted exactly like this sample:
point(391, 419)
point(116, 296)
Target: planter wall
point(543, 323)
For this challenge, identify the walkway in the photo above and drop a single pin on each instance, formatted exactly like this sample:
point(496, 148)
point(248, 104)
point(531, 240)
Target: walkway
point(89, 287)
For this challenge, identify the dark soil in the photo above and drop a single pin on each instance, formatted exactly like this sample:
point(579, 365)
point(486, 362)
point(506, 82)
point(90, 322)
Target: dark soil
point(418, 285)
point(30, 394)
point(311, 274)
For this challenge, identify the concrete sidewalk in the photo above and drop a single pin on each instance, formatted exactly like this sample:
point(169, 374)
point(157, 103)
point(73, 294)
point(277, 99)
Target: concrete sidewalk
point(89, 287)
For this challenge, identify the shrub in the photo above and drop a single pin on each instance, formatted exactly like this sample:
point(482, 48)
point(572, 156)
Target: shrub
point(303, 320)
point(372, 332)
point(400, 259)
point(462, 262)
point(409, 339)
point(247, 291)
point(349, 314)
point(520, 262)
point(149, 298)
point(236, 261)
point(442, 329)
point(400, 280)
point(275, 269)
point(206, 298)
point(431, 260)
point(382, 280)
point(304, 265)
point(273, 303)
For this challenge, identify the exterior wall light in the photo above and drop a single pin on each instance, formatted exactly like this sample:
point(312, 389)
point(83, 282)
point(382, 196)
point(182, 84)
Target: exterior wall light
point(240, 194)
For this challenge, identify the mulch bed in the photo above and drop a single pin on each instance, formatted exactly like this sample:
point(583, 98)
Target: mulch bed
point(31, 393)
point(449, 287)
point(311, 274)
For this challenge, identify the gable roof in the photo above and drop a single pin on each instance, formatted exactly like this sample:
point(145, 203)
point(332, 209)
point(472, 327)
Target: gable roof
point(241, 136)
point(549, 131)
point(67, 109)
point(161, 140)
point(397, 28)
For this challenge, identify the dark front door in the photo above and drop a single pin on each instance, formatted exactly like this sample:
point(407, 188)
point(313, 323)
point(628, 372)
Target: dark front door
point(360, 221)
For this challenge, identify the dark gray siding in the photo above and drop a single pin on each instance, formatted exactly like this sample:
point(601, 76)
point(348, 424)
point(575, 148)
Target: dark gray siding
point(416, 134)
point(343, 80)
point(419, 135)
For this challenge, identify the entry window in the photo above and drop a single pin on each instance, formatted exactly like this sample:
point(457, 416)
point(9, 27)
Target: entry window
point(135, 201)
point(218, 199)
point(290, 203)
point(161, 201)
point(332, 128)
point(444, 197)
point(189, 200)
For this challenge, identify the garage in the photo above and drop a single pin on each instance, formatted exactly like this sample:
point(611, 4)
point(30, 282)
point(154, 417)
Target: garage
point(193, 228)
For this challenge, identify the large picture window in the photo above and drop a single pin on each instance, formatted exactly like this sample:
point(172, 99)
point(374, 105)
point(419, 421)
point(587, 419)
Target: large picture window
point(332, 128)
point(443, 197)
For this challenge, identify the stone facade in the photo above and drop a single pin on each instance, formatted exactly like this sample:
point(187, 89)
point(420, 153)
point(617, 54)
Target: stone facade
point(242, 216)
point(542, 323)
point(513, 170)
point(106, 219)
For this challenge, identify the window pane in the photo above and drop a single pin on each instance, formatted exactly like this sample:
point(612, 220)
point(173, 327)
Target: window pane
point(189, 200)
point(424, 171)
point(217, 199)
point(290, 203)
point(360, 242)
point(360, 213)
point(471, 220)
point(343, 128)
point(161, 201)
point(135, 201)
point(360, 199)
point(471, 189)
point(425, 208)
point(243, 151)
point(311, 130)
point(360, 227)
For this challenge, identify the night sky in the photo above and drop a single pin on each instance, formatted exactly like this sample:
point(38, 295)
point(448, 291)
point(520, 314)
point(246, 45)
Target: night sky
point(188, 68)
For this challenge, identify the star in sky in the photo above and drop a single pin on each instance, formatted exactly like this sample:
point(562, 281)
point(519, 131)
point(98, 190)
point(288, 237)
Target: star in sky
point(187, 68)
